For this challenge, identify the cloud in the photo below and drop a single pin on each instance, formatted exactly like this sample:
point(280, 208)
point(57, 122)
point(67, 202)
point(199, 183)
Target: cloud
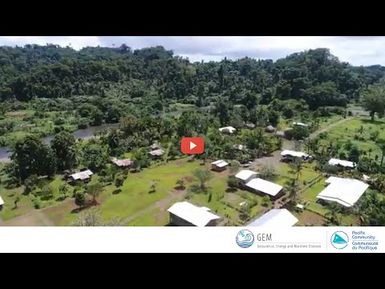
point(360, 50)
point(76, 42)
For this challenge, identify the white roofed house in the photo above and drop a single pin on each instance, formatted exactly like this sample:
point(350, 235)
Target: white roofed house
point(245, 176)
point(81, 176)
point(156, 153)
point(270, 129)
point(187, 214)
point(219, 165)
point(228, 129)
point(291, 155)
point(155, 146)
point(259, 185)
point(344, 191)
point(342, 163)
point(300, 124)
point(278, 218)
point(122, 163)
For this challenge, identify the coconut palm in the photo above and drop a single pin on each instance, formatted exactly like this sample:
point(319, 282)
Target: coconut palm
point(203, 177)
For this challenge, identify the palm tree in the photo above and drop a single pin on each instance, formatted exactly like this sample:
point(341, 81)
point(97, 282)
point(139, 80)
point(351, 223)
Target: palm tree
point(381, 145)
point(203, 176)
point(296, 168)
point(292, 188)
point(94, 191)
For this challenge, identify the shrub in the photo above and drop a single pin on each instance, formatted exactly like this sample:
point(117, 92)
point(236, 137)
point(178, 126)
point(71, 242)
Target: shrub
point(80, 199)
point(83, 123)
point(47, 192)
point(232, 182)
point(268, 172)
point(30, 184)
point(119, 180)
point(374, 135)
point(266, 201)
point(36, 203)
point(330, 169)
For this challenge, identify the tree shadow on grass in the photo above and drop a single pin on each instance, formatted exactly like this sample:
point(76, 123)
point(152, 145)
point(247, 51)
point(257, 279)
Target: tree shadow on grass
point(80, 209)
point(369, 121)
point(117, 191)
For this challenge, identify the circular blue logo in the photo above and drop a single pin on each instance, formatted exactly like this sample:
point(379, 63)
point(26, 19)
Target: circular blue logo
point(245, 238)
point(339, 240)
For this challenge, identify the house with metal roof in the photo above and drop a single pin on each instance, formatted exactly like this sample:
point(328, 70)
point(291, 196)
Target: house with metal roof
point(280, 218)
point(187, 214)
point(246, 175)
point(342, 163)
point(228, 129)
point(259, 185)
point(344, 191)
point(219, 165)
point(81, 176)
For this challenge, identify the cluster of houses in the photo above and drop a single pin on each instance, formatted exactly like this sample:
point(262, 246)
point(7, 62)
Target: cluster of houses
point(85, 175)
point(344, 191)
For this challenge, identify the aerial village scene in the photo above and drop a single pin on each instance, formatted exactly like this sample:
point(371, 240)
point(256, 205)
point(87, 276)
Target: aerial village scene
point(122, 137)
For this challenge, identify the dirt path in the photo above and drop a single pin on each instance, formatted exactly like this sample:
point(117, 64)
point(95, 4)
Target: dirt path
point(162, 204)
point(325, 129)
point(33, 218)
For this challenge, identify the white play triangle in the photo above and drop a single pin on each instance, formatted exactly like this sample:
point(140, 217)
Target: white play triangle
point(192, 145)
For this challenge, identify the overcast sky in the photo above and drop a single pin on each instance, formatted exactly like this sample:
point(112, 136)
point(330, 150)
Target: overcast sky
point(355, 50)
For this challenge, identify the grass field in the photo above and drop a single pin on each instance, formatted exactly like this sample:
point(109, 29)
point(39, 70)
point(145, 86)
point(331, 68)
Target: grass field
point(136, 205)
point(360, 131)
point(26, 203)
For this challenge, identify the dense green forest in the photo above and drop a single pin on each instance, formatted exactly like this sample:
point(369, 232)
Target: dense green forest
point(156, 74)
point(61, 88)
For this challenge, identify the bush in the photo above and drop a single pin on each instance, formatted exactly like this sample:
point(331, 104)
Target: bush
point(36, 203)
point(329, 169)
point(83, 123)
point(232, 182)
point(374, 135)
point(59, 121)
point(266, 201)
point(119, 180)
point(80, 199)
point(30, 184)
point(268, 172)
point(47, 192)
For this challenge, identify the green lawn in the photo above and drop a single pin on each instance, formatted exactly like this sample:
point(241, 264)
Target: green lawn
point(135, 194)
point(359, 132)
point(26, 204)
point(307, 173)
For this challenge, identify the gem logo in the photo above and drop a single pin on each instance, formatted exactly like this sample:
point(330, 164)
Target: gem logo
point(339, 240)
point(192, 145)
point(245, 238)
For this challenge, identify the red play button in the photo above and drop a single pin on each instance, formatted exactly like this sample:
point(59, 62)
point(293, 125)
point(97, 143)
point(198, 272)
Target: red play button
point(192, 145)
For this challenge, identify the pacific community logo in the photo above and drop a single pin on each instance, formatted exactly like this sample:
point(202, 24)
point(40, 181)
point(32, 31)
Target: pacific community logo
point(339, 240)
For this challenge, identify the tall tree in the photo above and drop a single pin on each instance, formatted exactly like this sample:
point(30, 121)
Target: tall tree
point(31, 157)
point(373, 100)
point(64, 147)
point(94, 190)
point(203, 176)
